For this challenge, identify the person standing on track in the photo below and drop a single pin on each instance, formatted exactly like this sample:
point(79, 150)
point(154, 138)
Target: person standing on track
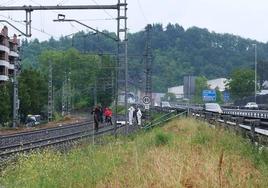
point(96, 115)
point(130, 114)
point(108, 115)
point(139, 114)
point(101, 114)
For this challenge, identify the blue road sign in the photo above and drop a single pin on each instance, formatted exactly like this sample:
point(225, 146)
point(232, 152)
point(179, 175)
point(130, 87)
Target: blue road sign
point(226, 96)
point(209, 95)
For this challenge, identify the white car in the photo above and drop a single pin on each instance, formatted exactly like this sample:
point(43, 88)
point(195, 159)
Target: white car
point(251, 105)
point(165, 104)
point(213, 107)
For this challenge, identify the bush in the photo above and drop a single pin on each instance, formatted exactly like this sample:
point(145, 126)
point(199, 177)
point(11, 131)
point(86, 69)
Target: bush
point(162, 138)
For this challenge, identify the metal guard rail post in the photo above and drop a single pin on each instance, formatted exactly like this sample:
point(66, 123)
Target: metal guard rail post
point(161, 120)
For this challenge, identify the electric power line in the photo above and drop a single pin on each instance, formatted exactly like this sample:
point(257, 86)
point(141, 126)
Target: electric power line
point(142, 12)
point(9, 2)
point(20, 22)
point(97, 19)
point(62, 2)
point(103, 9)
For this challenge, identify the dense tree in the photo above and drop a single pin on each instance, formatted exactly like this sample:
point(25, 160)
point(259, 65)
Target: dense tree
point(32, 93)
point(81, 70)
point(200, 85)
point(262, 71)
point(219, 96)
point(241, 83)
point(176, 52)
point(170, 97)
point(5, 103)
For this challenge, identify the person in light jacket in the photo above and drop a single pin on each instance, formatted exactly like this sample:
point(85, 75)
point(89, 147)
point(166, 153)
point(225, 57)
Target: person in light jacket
point(130, 115)
point(139, 114)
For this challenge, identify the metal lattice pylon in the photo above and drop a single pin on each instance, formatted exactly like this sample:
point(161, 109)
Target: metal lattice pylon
point(122, 64)
point(148, 70)
point(50, 93)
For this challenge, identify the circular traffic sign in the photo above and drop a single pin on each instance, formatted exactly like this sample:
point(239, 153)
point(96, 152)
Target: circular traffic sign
point(146, 100)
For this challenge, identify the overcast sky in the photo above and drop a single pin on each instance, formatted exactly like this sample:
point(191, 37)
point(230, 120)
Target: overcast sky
point(247, 18)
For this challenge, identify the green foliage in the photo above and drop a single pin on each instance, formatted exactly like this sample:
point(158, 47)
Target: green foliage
point(170, 97)
point(162, 138)
point(5, 103)
point(200, 85)
point(57, 116)
point(176, 52)
point(81, 71)
point(32, 93)
point(241, 83)
point(262, 71)
point(219, 96)
point(137, 161)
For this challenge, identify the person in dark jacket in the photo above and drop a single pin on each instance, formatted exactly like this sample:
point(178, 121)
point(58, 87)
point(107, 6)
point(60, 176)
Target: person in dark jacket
point(101, 114)
point(96, 115)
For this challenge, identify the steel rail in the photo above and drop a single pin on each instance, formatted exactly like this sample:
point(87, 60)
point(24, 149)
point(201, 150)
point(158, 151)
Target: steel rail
point(56, 140)
point(40, 134)
point(43, 129)
point(36, 141)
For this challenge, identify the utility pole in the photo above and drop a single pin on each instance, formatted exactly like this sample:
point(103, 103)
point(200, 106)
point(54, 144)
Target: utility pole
point(69, 93)
point(122, 58)
point(148, 71)
point(64, 97)
point(95, 92)
point(15, 93)
point(121, 38)
point(29, 9)
point(255, 72)
point(50, 93)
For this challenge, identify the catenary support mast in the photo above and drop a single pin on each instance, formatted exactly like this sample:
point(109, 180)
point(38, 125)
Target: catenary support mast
point(122, 58)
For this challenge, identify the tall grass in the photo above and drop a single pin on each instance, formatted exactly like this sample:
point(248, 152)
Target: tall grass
point(184, 153)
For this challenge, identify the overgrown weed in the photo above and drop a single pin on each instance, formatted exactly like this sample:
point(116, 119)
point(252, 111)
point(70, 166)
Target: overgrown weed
point(183, 153)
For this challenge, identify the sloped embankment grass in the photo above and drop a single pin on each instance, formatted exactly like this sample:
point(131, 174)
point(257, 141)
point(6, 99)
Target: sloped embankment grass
point(184, 153)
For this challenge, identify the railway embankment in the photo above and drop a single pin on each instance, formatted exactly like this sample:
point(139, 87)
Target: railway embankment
point(182, 153)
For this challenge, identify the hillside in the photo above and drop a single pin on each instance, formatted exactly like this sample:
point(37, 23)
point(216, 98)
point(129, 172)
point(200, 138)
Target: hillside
point(176, 51)
point(184, 153)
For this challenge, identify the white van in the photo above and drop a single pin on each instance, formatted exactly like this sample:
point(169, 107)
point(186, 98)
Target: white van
point(213, 107)
point(165, 104)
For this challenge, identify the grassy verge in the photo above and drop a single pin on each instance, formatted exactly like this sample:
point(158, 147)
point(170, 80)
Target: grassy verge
point(184, 153)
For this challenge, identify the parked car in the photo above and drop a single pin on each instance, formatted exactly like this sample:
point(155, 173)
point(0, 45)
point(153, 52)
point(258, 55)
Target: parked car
point(251, 105)
point(213, 107)
point(32, 120)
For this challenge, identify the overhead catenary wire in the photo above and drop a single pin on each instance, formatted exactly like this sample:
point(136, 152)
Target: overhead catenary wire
point(142, 12)
point(21, 23)
point(62, 2)
point(104, 9)
point(8, 2)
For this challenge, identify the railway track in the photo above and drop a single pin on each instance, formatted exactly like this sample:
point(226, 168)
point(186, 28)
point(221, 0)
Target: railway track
point(35, 135)
point(28, 141)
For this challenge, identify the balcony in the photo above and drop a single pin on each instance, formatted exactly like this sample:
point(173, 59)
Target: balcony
point(4, 48)
point(3, 73)
point(11, 66)
point(3, 78)
point(4, 63)
point(13, 54)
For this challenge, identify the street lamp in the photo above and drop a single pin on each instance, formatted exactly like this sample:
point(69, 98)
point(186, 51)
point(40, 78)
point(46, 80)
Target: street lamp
point(255, 45)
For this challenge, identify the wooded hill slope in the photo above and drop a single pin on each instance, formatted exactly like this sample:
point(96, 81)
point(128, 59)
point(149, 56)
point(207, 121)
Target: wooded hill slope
point(176, 52)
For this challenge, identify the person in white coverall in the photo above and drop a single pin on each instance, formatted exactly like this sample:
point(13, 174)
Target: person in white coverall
point(139, 114)
point(130, 115)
